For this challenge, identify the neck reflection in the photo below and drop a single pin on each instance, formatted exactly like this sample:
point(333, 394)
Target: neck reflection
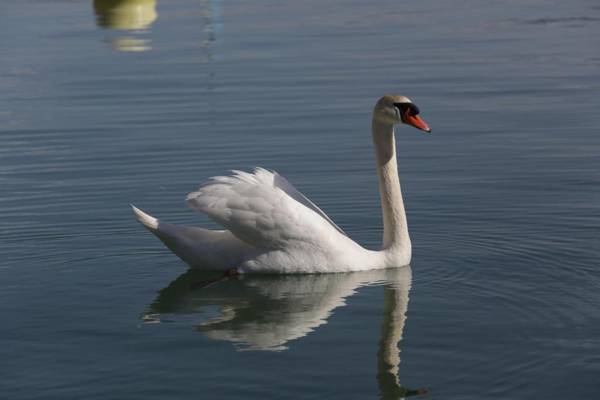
point(267, 312)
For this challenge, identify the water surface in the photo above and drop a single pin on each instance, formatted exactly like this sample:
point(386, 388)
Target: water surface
point(109, 103)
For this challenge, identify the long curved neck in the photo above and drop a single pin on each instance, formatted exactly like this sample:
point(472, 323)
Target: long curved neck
point(395, 230)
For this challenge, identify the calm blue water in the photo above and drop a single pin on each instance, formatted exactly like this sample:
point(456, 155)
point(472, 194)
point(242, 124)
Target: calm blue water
point(109, 103)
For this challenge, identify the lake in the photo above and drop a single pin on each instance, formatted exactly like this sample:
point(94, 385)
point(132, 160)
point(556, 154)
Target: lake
point(107, 103)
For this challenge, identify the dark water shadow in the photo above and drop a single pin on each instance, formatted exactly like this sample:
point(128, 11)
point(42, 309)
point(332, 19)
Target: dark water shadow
point(566, 21)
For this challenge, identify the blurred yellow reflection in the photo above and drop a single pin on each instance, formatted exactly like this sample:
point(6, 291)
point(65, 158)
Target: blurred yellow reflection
point(130, 44)
point(125, 14)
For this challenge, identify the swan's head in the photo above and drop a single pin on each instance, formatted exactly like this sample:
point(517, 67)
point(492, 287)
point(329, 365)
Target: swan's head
point(395, 109)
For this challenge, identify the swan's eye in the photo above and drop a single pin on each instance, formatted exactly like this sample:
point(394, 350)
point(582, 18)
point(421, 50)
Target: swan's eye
point(407, 108)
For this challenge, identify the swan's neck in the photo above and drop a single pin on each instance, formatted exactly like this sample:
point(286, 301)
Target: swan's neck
point(395, 230)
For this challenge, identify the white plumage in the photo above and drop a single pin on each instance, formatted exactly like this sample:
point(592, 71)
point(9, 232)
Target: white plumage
point(270, 227)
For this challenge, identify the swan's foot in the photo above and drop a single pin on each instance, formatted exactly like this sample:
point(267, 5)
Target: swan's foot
point(230, 273)
point(418, 392)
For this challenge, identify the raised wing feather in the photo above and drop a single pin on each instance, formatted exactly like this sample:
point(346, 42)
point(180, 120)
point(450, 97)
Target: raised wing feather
point(262, 209)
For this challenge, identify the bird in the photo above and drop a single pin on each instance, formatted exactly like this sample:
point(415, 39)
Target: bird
point(270, 227)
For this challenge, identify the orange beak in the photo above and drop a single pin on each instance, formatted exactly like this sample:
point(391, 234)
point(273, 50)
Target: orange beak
point(417, 122)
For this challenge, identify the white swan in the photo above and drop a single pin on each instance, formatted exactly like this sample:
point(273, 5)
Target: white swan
point(272, 227)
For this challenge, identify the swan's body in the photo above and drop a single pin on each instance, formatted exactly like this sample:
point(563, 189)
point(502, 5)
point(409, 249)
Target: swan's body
point(271, 227)
point(268, 230)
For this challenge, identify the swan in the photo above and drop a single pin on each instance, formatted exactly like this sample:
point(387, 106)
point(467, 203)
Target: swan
point(270, 227)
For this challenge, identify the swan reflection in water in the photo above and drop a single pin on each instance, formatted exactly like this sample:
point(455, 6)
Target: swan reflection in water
point(266, 312)
point(134, 16)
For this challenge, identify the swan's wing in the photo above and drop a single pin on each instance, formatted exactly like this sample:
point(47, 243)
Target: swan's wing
point(283, 184)
point(262, 209)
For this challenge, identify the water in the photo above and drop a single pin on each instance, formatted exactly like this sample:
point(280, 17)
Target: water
point(101, 108)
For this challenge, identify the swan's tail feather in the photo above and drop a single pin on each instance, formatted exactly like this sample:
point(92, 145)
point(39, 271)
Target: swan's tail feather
point(198, 247)
point(147, 220)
